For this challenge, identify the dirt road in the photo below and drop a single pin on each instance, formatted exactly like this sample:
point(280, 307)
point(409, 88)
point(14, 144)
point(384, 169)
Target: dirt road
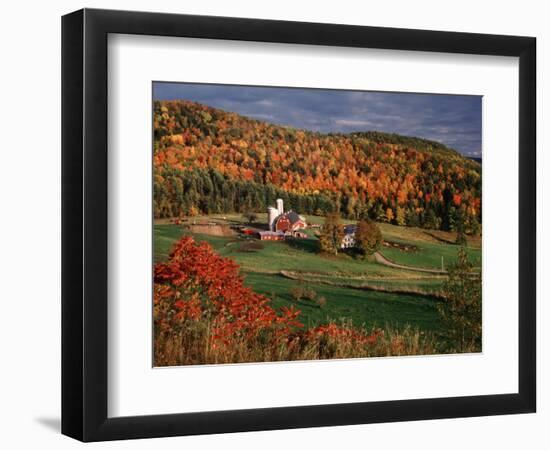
point(383, 260)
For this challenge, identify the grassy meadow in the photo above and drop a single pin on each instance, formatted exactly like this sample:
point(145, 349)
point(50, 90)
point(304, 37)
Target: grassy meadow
point(356, 290)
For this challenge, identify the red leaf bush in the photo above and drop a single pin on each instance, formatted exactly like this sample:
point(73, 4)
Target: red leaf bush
point(203, 314)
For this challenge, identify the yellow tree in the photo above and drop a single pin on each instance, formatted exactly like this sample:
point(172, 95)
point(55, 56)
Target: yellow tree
point(331, 234)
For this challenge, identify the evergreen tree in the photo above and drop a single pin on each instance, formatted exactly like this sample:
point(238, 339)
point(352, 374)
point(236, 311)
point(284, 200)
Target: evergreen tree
point(460, 235)
point(475, 227)
point(461, 309)
point(412, 218)
point(431, 221)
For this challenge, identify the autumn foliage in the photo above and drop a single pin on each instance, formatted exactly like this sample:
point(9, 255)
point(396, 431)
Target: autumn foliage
point(197, 284)
point(368, 237)
point(211, 161)
point(203, 313)
point(331, 234)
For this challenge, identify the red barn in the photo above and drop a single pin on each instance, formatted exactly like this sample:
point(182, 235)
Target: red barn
point(289, 221)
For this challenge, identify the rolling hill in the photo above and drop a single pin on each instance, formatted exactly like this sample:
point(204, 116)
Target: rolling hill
point(207, 160)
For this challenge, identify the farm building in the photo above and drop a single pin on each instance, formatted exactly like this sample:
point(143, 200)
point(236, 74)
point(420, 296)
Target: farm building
point(271, 235)
point(348, 241)
point(289, 221)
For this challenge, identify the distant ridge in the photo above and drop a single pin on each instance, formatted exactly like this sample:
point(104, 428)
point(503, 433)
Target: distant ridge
point(411, 141)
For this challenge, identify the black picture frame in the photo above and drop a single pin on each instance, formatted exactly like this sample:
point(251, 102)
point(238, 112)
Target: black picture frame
point(84, 224)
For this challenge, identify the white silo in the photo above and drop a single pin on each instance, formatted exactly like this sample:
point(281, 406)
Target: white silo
point(272, 214)
point(280, 206)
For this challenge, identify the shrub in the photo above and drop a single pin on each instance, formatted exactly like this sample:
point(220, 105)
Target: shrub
point(321, 302)
point(297, 293)
point(251, 217)
point(309, 294)
point(198, 290)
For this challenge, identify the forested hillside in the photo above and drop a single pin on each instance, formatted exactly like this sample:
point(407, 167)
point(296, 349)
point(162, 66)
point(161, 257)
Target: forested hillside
point(211, 161)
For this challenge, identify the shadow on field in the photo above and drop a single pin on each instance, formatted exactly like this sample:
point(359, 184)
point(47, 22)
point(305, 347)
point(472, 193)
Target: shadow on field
point(300, 303)
point(439, 238)
point(305, 245)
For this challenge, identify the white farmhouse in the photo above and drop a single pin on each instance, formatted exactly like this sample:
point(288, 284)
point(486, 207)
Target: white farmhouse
point(348, 241)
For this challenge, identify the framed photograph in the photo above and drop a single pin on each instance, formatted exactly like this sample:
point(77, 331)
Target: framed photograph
point(273, 225)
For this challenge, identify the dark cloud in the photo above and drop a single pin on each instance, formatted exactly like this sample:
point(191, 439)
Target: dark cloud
point(454, 120)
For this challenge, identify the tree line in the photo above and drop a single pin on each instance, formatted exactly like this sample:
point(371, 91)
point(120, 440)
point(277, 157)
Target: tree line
point(178, 193)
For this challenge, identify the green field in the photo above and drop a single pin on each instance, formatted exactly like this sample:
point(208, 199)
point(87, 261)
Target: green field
point(339, 279)
point(432, 246)
point(363, 307)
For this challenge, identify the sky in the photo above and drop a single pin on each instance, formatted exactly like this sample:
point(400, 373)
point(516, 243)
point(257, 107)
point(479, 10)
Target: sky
point(454, 120)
